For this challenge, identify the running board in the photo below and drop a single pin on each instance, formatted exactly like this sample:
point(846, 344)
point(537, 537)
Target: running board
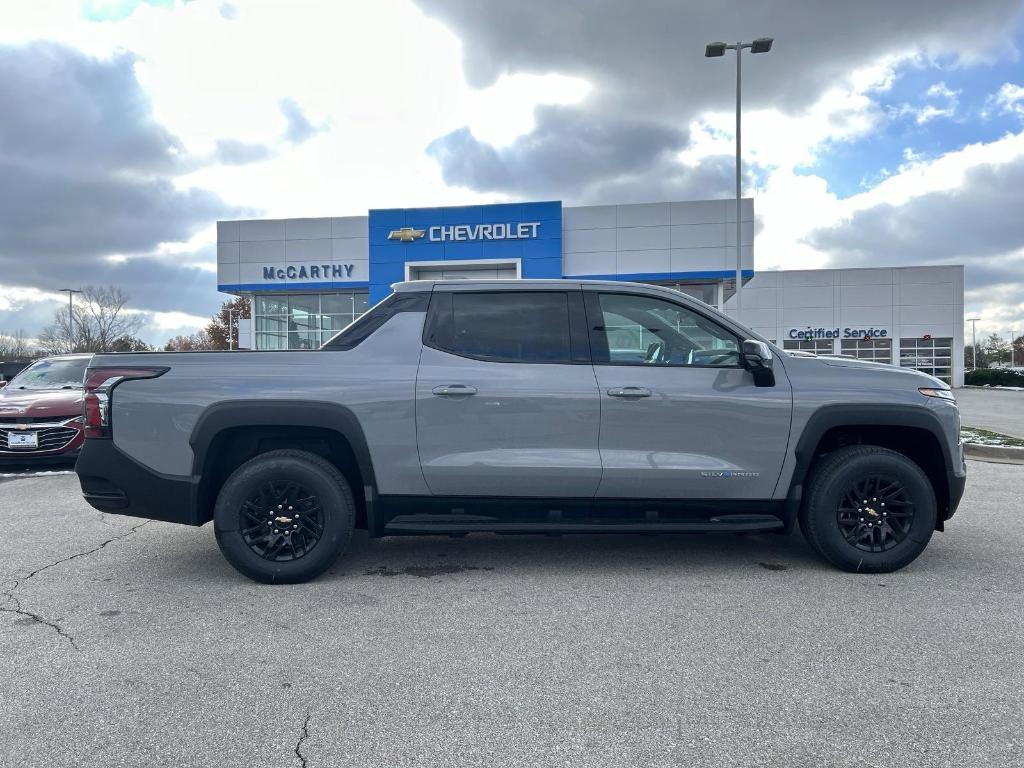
point(443, 524)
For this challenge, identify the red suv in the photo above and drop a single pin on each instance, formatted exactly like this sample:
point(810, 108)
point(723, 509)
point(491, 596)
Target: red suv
point(41, 411)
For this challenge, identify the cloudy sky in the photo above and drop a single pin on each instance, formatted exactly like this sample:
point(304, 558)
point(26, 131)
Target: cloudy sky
point(875, 132)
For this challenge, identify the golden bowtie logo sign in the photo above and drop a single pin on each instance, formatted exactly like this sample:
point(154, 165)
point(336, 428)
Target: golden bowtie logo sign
point(405, 234)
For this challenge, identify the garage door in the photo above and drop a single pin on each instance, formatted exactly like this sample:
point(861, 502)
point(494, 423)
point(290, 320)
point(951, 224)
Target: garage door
point(465, 272)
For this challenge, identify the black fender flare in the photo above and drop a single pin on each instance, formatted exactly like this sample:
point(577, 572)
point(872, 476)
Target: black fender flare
point(286, 413)
point(866, 415)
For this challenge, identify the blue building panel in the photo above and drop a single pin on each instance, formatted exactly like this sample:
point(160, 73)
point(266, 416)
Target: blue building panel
point(503, 249)
point(549, 210)
point(422, 217)
point(387, 217)
point(463, 251)
point(463, 214)
point(546, 249)
point(643, 277)
point(530, 232)
point(542, 269)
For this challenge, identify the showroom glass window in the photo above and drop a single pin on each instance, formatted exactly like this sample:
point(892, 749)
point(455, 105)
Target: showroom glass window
point(706, 292)
point(817, 346)
point(507, 326)
point(644, 330)
point(304, 321)
point(931, 356)
point(876, 350)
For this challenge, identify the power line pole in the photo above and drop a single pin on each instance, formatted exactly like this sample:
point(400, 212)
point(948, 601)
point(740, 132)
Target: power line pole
point(974, 341)
point(714, 50)
point(71, 315)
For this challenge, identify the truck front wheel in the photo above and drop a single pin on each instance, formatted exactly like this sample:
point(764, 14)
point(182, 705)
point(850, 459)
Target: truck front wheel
point(868, 509)
point(284, 517)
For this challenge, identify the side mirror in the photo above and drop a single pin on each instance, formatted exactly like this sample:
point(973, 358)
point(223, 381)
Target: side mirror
point(758, 359)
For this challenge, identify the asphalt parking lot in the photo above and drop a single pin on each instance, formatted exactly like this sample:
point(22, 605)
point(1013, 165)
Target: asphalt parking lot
point(126, 643)
point(1000, 410)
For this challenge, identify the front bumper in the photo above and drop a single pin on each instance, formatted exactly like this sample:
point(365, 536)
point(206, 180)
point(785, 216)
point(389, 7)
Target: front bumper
point(114, 482)
point(59, 442)
point(956, 492)
point(36, 460)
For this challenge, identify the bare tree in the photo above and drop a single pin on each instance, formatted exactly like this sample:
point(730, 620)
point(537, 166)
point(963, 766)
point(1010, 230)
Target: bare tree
point(14, 347)
point(100, 318)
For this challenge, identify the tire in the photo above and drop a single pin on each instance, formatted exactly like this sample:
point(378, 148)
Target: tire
point(306, 505)
point(831, 516)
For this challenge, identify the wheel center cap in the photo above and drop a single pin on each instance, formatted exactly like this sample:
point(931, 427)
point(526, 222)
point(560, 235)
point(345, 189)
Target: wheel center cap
point(282, 520)
point(872, 512)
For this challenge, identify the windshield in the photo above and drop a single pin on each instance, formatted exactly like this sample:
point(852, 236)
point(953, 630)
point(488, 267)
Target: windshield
point(52, 374)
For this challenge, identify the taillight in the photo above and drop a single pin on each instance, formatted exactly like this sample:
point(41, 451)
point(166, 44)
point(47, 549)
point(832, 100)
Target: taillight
point(99, 383)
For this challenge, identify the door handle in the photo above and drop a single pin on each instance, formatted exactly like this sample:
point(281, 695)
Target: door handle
point(454, 389)
point(629, 392)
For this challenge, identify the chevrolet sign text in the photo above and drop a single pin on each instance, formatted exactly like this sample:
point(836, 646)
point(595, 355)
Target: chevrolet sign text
point(526, 230)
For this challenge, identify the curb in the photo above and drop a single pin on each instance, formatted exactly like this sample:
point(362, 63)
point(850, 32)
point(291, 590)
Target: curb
point(999, 387)
point(1002, 454)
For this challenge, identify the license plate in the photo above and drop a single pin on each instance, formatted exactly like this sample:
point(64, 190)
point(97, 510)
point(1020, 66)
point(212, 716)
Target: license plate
point(22, 440)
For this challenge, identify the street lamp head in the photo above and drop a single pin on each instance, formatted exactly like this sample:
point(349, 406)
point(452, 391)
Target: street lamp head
point(714, 49)
point(762, 45)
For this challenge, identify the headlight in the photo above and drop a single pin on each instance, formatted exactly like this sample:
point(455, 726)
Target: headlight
point(942, 394)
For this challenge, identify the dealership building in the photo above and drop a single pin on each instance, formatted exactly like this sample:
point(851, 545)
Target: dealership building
point(309, 277)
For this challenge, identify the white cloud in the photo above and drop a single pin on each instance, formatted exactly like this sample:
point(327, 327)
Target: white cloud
point(791, 204)
point(940, 101)
point(960, 207)
point(1008, 100)
point(14, 299)
point(384, 77)
point(174, 320)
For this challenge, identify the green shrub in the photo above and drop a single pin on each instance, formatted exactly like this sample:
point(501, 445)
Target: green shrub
point(996, 377)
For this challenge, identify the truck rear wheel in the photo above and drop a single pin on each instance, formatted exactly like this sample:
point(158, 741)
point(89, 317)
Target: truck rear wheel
point(868, 509)
point(284, 517)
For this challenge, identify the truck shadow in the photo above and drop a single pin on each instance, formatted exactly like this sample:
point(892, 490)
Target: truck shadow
point(524, 556)
point(583, 554)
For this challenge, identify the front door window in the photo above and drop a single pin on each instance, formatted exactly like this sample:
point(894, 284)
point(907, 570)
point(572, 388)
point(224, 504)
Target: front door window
point(644, 330)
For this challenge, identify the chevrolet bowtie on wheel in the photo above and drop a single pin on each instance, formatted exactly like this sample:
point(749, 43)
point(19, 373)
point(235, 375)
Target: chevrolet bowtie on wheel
point(524, 406)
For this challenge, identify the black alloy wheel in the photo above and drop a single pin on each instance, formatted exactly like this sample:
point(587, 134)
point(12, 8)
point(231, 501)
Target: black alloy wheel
point(284, 516)
point(868, 509)
point(876, 513)
point(283, 521)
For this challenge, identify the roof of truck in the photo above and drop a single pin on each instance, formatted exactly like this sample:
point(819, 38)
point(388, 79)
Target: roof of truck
point(428, 285)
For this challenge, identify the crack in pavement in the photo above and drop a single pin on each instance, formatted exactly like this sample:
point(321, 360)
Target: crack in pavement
point(37, 618)
point(302, 738)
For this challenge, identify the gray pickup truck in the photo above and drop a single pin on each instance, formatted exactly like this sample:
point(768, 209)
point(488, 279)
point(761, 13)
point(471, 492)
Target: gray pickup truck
point(547, 406)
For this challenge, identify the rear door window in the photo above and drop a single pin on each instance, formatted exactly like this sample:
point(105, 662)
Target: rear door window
point(503, 326)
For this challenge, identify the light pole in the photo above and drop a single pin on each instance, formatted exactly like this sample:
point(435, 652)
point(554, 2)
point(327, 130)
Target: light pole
point(1012, 363)
point(974, 342)
point(714, 50)
point(71, 314)
point(231, 335)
